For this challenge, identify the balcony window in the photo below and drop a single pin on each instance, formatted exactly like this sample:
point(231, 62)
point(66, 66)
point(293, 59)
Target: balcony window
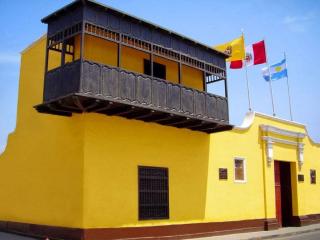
point(159, 70)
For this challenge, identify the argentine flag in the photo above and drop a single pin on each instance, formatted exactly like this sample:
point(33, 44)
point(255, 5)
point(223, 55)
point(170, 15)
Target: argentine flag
point(277, 71)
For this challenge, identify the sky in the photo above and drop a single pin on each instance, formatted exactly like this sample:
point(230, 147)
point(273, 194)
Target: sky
point(288, 26)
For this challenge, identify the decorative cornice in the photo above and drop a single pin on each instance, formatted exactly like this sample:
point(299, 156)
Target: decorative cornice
point(269, 141)
point(283, 141)
point(250, 116)
point(283, 132)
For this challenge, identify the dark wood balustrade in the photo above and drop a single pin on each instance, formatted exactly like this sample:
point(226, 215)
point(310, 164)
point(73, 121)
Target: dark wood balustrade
point(92, 87)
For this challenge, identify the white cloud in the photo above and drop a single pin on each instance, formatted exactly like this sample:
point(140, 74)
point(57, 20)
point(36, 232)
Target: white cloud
point(299, 23)
point(11, 58)
point(289, 20)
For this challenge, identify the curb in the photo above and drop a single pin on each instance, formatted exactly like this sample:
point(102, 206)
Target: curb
point(285, 234)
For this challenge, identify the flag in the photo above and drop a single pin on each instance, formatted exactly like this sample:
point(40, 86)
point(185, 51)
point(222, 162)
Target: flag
point(236, 64)
point(255, 54)
point(234, 48)
point(277, 71)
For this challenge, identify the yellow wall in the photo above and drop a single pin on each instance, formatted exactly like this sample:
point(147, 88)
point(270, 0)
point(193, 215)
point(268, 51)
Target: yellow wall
point(41, 168)
point(115, 147)
point(132, 59)
point(95, 49)
point(172, 73)
point(256, 198)
point(54, 60)
point(309, 193)
point(105, 52)
point(192, 77)
point(101, 51)
point(225, 198)
point(82, 171)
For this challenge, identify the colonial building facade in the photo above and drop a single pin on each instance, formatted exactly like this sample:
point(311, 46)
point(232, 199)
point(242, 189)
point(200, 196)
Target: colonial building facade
point(118, 138)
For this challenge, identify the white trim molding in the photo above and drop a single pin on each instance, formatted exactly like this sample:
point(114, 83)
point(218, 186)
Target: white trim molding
point(279, 140)
point(269, 141)
point(269, 149)
point(283, 132)
point(250, 116)
point(300, 154)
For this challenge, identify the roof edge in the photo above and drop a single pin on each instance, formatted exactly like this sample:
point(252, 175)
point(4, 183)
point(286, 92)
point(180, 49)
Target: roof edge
point(58, 11)
point(280, 119)
point(249, 120)
point(106, 7)
point(33, 43)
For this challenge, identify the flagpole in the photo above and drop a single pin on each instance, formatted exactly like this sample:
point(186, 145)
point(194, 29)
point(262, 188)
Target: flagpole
point(270, 85)
point(247, 79)
point(248, 90)
point(288, 87)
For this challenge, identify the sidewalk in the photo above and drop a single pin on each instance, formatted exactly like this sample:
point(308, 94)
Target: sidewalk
point(282, 232)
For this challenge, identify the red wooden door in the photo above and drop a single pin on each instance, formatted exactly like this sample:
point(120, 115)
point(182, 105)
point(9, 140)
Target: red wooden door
point(277, 184)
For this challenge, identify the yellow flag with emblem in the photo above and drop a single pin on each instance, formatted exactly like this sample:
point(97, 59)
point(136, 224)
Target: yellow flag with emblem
point(234, 48)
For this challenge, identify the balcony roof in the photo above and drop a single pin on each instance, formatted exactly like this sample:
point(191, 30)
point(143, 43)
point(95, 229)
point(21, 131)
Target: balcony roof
point(66, 8)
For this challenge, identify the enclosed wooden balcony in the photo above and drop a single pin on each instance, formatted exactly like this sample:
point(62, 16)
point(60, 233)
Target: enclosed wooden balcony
point(161, 77)
point(114, 91)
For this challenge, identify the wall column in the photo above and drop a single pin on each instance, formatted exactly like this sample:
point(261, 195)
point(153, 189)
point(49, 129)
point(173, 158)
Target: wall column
point(204, 81)
point(63, 53)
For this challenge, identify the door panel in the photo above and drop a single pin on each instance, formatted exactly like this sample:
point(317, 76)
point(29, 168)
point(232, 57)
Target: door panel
point(277, 184)
point(286, 194)
point(283, 193)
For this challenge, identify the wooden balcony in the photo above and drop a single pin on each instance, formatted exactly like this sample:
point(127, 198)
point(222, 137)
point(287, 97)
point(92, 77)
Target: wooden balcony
point(87, 86)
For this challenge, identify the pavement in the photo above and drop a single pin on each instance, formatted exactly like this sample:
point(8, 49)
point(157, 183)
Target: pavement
point(311, 232)
point(9, 236)
point(304, 236)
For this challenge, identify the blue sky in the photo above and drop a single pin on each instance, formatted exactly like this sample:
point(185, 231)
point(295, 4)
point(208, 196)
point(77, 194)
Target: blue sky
point(286, 25)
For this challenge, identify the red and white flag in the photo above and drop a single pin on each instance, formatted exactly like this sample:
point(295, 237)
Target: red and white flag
point(255, 54)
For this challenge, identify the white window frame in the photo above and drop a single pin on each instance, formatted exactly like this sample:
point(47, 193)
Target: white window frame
point(244, 170)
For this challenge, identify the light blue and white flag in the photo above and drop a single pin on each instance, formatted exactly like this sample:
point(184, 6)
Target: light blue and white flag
point(277, 71)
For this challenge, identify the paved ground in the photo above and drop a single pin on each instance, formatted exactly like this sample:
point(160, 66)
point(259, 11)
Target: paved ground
point(304, 236)
point(311, 232)
point(7, 236)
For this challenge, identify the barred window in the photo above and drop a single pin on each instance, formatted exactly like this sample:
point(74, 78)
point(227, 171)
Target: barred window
point(239, 170)
point(313, 176)
point(153, 193)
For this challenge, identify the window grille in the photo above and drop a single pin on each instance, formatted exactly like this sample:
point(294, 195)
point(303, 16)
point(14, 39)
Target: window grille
point(153, 193)
point(313, 176)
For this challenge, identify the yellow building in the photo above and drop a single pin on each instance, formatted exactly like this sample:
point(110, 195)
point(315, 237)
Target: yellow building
point(117, 137)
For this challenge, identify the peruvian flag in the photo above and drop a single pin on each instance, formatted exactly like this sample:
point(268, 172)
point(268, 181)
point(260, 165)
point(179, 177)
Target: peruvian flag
point(255, 54)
